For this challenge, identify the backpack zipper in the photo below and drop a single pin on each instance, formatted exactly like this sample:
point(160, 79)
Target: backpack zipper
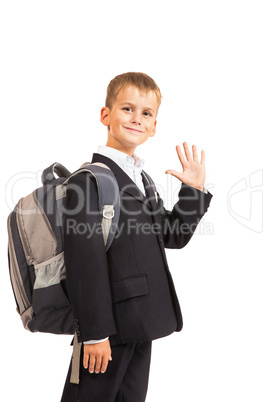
point(23, 237)
point(18, 288)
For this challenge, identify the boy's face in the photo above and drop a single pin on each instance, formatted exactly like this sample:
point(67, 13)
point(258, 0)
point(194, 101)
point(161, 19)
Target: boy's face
point(132, 119)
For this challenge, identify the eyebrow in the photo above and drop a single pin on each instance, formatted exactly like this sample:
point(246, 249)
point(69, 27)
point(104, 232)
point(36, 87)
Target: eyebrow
point(131, 104)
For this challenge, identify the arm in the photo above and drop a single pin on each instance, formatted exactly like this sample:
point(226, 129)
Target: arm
point(179, 224)
point(86, 263)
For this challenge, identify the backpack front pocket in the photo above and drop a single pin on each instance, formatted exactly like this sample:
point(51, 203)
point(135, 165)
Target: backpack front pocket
point(49, 290)
point(52, 307)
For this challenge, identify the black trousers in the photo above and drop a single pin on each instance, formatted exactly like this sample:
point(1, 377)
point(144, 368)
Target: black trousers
point(125, 380)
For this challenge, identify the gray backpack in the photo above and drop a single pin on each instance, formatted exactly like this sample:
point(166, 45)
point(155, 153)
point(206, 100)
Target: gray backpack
point(36, 249)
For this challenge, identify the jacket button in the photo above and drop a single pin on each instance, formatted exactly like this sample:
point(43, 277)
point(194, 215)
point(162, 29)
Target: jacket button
point(76, 321)
point(78, 333)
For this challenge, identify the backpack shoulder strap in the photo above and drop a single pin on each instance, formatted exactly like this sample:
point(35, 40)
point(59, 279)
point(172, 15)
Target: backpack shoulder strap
point(108, 197)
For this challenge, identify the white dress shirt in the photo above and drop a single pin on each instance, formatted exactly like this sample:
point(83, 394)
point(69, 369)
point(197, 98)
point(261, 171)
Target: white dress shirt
point(132, 166)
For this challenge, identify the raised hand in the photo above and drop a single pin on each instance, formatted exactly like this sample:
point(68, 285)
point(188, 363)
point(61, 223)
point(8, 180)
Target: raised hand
point(193, 171)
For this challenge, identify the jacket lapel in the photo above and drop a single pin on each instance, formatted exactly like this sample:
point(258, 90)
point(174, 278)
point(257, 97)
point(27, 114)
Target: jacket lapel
point(150, 190)
point(152, 198)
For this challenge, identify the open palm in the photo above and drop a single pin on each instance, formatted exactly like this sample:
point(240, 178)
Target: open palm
point(193, 171)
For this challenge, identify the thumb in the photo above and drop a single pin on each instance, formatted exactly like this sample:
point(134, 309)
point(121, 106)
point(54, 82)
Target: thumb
point(175, 174)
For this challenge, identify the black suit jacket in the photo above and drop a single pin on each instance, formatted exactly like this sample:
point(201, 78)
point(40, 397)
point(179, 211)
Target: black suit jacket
point(127, 293)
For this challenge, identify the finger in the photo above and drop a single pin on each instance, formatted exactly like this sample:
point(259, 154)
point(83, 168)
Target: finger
point(85, 359)
point(187, 151)
point(203, 158)
point(104, 364)
point(180, 155)
point(98, 363)
point(92, 363)
point(195, 156)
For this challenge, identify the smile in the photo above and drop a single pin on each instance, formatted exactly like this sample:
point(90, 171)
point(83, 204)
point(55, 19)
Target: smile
point(133, 130)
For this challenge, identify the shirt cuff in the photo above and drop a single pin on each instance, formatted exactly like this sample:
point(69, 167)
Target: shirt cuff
point(95, 341)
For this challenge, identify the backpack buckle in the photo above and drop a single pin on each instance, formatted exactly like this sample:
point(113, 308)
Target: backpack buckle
point(108, 211)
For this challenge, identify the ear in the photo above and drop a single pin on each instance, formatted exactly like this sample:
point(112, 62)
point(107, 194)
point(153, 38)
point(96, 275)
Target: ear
point(105, 116)
point(154, 129)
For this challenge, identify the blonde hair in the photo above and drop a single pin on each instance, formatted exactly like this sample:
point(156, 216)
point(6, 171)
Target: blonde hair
point(139, 80)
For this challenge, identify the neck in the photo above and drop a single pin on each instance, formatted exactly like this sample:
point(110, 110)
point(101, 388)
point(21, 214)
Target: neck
point(114, 143)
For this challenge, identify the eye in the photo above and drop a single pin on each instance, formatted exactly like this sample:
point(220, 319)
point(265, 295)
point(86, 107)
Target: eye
point(148, 113)
point(127, 108)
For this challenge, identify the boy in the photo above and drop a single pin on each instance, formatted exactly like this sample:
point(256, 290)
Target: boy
point(125, 298)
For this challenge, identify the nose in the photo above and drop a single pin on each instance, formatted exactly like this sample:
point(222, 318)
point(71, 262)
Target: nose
point(136, 118)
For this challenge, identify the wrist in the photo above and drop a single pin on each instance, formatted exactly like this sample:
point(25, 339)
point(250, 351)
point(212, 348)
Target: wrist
point(200, 188)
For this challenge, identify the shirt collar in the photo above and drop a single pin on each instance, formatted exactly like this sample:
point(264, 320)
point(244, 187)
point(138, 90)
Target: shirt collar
point(121, 158)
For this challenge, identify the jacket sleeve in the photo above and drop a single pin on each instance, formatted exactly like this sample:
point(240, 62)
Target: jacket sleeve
point(87, 273)
point(178, 225)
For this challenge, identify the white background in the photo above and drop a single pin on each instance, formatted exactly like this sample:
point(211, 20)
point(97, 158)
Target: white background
point(210, 61)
